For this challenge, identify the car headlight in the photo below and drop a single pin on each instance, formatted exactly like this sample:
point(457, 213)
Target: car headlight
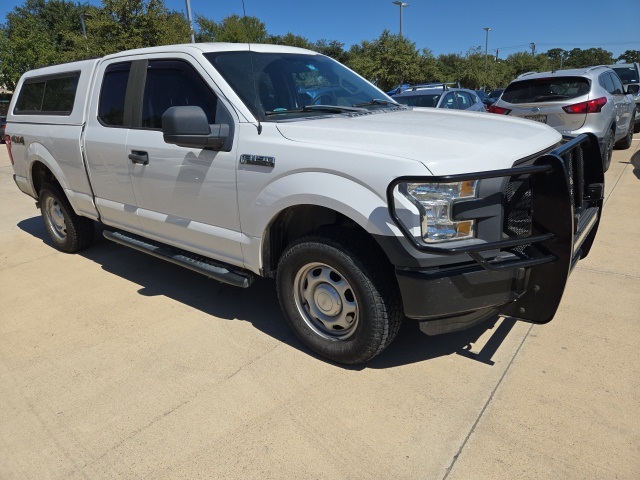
point(434, 202)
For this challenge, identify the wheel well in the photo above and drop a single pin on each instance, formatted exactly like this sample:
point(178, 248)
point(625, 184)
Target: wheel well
point(300, 221)
point(40, 174)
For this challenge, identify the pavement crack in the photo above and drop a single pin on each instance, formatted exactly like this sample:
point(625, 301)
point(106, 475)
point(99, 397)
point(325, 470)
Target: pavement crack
point(486, 405)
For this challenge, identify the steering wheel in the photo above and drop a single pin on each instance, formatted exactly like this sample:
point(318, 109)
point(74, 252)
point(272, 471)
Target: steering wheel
point(325, 97)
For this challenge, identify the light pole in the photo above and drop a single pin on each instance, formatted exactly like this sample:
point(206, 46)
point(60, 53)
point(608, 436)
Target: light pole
point(401, 5)
point(486, 53)
point(193, 37)
point(84, 28)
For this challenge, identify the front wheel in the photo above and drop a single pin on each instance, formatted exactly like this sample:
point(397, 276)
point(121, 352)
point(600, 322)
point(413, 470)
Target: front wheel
point(69, 231)
point(344, 306)
point(625, 143)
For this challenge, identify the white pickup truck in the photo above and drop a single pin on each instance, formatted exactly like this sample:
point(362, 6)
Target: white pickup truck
point(239, 160)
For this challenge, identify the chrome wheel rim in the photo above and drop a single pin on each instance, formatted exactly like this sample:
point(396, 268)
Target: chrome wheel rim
point(326, 301)
point(55, 219)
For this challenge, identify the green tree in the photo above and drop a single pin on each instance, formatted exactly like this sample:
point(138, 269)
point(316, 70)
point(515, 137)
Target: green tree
point(233, 29)
point(558, 57)
point(579, 58)
point(40, 33)
point(126, 24)
point(291, 40)
point(333, 49)
point(387, 61)
point(629, 56)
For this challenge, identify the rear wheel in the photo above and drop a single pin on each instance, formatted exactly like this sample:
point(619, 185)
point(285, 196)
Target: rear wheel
point(607, 150)
point(625, 143)
point(343, 304)
point(69, 232)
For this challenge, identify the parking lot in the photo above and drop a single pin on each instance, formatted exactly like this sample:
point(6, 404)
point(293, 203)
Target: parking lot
point(114, 364)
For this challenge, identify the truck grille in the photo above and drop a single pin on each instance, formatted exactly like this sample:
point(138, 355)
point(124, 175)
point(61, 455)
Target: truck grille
point(518, 208)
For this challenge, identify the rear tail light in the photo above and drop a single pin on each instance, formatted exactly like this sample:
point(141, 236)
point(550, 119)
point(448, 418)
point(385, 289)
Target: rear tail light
point(590, 106)
point(7, 140)
point(499, 110)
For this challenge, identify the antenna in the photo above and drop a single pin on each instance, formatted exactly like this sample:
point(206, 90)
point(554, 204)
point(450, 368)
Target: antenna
point(253, 73)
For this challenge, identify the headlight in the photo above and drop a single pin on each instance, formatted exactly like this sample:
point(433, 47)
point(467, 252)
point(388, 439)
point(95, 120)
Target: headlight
point(434, 202)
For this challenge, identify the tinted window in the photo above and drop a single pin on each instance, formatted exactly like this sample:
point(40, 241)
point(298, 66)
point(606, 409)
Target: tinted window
point(449, 101)
point(617, 86)
point(627, 74)
point(606, 82)
point(112, 95)
point(419, 100)
point(53, 95)
point(546, 89)
point(173, 83)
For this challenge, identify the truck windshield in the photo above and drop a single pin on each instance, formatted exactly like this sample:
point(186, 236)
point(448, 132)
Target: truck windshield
point(282, 86)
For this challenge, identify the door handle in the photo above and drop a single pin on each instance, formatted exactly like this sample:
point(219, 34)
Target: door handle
point(138, 156)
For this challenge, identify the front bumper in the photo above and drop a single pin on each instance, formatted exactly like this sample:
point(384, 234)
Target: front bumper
point(544, 233)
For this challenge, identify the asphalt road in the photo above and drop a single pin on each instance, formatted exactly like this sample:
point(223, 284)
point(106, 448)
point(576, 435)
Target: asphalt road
point(114, 364)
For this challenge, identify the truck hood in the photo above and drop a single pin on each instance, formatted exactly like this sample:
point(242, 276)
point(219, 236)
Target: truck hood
point(446, 142)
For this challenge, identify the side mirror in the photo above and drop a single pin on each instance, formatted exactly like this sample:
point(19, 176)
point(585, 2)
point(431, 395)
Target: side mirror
point(188, 127)
point(633, 89)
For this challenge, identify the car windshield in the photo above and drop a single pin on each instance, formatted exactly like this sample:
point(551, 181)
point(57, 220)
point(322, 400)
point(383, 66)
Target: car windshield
point(427, 100)
point(546, 89)
point(283, 86)
point(627, 74)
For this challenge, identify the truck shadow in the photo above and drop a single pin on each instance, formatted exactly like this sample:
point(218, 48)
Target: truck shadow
point(259, 305)
point(635, 161)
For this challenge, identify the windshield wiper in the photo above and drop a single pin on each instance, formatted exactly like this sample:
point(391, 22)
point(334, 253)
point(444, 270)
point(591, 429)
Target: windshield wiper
point(378, 101)
point(553, 96)
point(320, 108)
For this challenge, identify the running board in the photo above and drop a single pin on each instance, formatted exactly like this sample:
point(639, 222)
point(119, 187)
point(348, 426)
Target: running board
point(217, 271)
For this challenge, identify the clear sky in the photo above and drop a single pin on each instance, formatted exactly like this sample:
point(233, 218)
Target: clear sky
point(440, 25)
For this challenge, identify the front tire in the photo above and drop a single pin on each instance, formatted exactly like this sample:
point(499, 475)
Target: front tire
point(625, 143)
point(68, 231)
point(342, 304)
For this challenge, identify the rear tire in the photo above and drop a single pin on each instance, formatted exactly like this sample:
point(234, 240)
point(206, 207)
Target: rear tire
point(607, 150)
point(68, 231)
point(341, 302)
point(625, 143)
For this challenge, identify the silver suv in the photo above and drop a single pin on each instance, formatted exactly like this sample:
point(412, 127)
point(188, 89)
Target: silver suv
point(629, 73)
point(586, 100)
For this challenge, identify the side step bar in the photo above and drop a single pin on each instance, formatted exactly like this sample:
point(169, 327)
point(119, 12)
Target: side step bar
point(217, 271)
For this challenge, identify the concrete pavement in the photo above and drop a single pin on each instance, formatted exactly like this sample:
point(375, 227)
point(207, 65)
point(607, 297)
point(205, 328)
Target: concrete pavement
point(114, 364)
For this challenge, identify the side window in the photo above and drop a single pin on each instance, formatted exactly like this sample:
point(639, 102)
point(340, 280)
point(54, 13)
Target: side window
point(449, 101)
point(173, 83)
point(52, 95)
point(112, 94)
point(617, 85)
point(606, 82)
point(464, 100)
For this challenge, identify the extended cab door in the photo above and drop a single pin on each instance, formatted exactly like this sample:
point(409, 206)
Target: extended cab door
point(105, 141)
point(185, 196)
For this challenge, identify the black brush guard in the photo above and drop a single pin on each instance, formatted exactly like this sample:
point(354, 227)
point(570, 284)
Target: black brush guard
point(565, 202)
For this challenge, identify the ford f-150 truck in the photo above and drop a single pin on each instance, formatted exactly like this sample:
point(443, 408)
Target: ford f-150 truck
point(239, 160)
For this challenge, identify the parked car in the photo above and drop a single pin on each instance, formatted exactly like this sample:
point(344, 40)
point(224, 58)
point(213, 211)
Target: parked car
point(3, 124)
point(441, 97)
point(586, 100)
point(629, 74)
point(493, 96)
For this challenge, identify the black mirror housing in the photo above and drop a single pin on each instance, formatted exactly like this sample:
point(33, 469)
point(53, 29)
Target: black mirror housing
point(633, 89)
point(187, 126)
